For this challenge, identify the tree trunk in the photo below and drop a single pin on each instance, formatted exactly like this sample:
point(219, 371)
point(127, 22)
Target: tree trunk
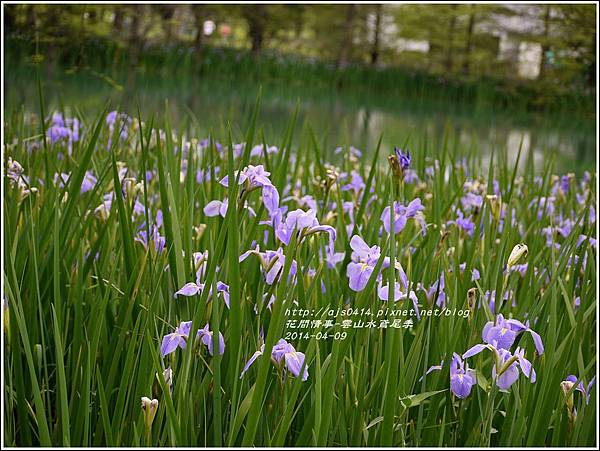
point(255, 16)
point(375, 49)
point(199, 14)
point(545, 47)
point(10, 18)
point(30, 19)
point(469, 43)
point(117, 22)
point(299, 25)
point(135, 38)
point(166, 14)
point(346, 42)
point(449, 56)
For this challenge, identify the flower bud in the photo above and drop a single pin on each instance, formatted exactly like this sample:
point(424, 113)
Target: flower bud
point(495, 205)
point(566, 387)
point(168, 376)
point(471, 298)
point(199, 231)
point(102, 212)
point(331, 176)
point(130, 187)
point(520, 250)
point(399, 162)
point(149, 407)
point(395, 165)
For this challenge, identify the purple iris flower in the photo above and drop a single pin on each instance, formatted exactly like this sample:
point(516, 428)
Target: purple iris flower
point(177, 339)
point(285, 357)
point(158, 240)
point(303, 222)
point(65, 130)
point(364, 259)
point(465, 223)
point(62, 178)
point(358, 275)
point(58, 129)
point(104, 208)
point(511, 374)
point(471, 201)
point(57, 133)
point(203, 175)
point(362, 251)
point(270, 198)
point(462, 378)
point(505, 331)
point(431, 369)
point(257, 150)
point(584, 390)
point(14, 170)
point(206, 335)
point(219, 208)
point(402, 214)
point(544, 205)
point(593, 242)
point(216, 208)
point(438, 285)
point(192, 289)
point(332, 258)
point(521, 269)
point(356, 184)
point(403, 159)
point(89, 182)
point(306, 201)
point(255, 176)
point(561, 184)
point(411, 176)
point(506, 368)
point(383, 293)
point(238, 149)
point(490, 297)
point(111, 118)
point(272, 263)
point(121, 120)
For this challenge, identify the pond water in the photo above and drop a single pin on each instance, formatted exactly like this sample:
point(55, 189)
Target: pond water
point(339, 118)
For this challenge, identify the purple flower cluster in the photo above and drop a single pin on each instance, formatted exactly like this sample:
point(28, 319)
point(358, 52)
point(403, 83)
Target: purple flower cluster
point(498, 337)
point(402, 214)
point(285, 357)
point(63, 130)
point(178, 339)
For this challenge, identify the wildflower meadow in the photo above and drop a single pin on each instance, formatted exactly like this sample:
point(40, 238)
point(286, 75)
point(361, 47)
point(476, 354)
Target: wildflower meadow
point(166, 289)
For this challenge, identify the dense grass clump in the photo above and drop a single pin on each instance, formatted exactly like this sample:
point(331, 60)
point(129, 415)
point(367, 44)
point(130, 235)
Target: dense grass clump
point(241, 290)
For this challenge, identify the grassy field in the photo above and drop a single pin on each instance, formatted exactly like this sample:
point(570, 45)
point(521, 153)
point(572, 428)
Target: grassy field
point(125, 236)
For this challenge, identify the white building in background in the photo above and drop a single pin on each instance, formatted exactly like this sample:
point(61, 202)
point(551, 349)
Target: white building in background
point(530, 59)
point(412, 45)
point(513, 48)
point(525, 55)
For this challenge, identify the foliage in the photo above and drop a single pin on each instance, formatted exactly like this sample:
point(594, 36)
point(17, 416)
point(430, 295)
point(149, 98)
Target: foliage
point(463, 40)
point(90, 276)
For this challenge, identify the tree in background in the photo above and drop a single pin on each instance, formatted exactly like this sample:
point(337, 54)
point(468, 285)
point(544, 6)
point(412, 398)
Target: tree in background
point(462, 41)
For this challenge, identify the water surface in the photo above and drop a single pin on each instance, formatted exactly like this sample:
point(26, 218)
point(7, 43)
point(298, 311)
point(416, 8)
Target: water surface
point(338, 118)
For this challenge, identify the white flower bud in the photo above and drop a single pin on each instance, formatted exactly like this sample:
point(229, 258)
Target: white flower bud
point(520, 250)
